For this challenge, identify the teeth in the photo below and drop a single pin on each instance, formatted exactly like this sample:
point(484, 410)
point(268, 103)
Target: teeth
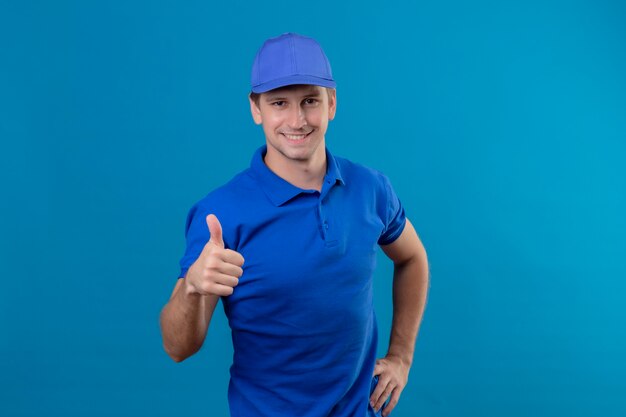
point(294, 137)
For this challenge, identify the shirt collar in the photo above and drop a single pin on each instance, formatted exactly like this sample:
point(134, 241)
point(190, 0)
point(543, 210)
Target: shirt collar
point(280, 191)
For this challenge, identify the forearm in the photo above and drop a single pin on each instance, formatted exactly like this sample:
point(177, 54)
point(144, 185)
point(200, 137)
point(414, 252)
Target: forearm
point(410, 288)
point(184, 322)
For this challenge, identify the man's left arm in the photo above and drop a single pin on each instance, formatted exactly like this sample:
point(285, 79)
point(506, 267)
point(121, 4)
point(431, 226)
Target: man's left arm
point(410, 287)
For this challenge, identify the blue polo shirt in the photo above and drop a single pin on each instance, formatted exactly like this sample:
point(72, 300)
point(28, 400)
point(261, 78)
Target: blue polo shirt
point(304, 330)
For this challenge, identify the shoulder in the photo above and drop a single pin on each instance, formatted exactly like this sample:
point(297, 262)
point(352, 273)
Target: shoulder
point(225, 202)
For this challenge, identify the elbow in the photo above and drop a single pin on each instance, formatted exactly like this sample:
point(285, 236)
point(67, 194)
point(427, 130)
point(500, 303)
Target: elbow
point(177, 359)
point(176, 350)
point(180, 352)
point(177, 356)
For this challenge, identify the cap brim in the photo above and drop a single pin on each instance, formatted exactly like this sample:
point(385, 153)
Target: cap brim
point(291, 80)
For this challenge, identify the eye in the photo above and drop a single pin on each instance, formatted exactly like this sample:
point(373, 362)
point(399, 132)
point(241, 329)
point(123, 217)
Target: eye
point(278, 103)
point(310, 101)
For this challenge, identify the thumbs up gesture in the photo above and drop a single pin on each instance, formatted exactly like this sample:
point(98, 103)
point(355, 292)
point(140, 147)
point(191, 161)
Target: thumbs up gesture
point(217, 270)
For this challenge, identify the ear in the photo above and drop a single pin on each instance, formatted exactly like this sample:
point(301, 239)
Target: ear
point(256, 112)
point(332, 104)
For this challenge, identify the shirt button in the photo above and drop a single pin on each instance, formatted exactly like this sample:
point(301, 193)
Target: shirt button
point(325, 225)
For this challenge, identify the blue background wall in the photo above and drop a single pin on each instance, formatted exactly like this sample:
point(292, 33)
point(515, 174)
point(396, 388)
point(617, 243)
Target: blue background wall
point(502, 126)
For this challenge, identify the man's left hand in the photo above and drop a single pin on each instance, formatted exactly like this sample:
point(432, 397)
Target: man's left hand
point(393, 375)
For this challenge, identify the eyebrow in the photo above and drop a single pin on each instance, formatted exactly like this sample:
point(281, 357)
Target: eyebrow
point(277, 96)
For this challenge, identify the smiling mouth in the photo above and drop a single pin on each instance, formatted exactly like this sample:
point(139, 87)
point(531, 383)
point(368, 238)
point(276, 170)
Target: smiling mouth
point(297, 137)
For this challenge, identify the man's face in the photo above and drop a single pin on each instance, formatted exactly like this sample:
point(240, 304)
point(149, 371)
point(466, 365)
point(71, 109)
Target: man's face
point(295, 119)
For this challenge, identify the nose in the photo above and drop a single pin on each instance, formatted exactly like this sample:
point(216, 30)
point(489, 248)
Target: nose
point(297, 118)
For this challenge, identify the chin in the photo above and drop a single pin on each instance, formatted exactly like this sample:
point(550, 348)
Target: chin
point(298, 155)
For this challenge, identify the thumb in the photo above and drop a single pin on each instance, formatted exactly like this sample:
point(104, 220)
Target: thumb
point(215, 228)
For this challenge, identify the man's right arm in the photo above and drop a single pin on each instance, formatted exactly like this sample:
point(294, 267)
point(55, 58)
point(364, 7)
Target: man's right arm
point(186, 316)
point(185, 321)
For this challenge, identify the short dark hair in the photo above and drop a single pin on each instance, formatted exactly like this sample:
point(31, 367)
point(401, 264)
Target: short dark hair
point(257, 96)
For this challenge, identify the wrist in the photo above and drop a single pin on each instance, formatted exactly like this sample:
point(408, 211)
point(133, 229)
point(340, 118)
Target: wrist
point(405, 359)
point(188, 289)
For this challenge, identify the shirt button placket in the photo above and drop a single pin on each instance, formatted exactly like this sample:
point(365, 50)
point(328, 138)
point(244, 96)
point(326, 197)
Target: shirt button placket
point(323, 224)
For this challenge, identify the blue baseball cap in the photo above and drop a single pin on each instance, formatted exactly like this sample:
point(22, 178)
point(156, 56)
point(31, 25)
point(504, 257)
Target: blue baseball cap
point(290, 59)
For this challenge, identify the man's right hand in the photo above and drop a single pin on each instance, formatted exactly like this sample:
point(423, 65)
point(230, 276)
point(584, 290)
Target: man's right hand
point(217, 270)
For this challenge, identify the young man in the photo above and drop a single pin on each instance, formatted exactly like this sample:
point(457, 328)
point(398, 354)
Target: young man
point(289, 245)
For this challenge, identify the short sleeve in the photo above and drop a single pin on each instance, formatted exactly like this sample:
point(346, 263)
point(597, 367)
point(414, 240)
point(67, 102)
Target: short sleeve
point(196, 236)
point(395, 218)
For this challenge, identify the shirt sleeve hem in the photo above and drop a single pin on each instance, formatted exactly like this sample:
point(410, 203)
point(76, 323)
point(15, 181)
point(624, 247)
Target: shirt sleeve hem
point(392, 238)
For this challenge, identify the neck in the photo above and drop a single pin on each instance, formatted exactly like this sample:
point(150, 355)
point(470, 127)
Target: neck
point(306, 174)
